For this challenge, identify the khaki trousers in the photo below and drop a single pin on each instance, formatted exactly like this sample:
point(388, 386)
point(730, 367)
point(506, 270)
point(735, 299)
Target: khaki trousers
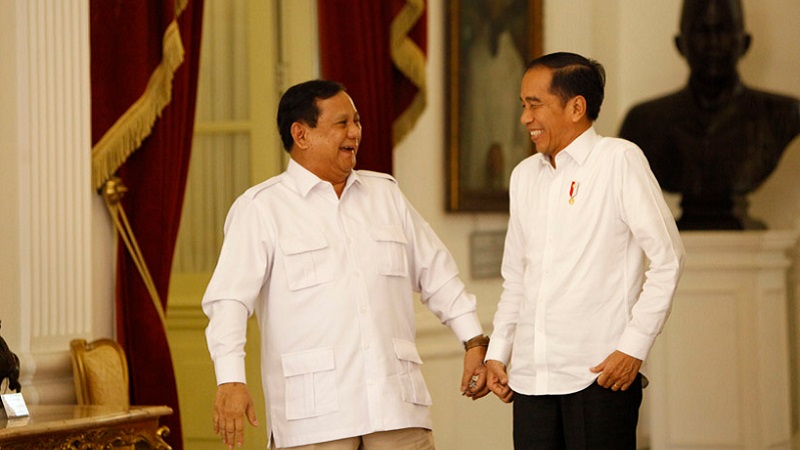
point(403, 439)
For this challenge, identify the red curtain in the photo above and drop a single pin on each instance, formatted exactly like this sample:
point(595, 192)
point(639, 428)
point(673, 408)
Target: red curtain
point(127, 48)
point(355, 49)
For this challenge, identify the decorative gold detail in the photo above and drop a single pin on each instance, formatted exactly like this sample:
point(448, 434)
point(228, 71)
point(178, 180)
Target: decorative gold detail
point(133, 438)
point(410, 60)
point(128, 132)
point(113, 191)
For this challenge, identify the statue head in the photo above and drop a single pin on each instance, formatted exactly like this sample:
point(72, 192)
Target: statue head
point(712, 39)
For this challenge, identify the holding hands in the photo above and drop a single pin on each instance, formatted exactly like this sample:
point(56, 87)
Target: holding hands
point(473, 380)
point(497, 381)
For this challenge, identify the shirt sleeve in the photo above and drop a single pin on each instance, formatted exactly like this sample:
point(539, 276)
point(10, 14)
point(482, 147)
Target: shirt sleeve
point(226, 336)
point(234, 289)
point(653, 227)
point(507, 314)
point(435, 276)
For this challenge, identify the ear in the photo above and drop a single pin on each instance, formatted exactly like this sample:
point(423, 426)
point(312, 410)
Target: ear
point(680, 44)
point(577, 107)
point(299, 134)
point(747, 39)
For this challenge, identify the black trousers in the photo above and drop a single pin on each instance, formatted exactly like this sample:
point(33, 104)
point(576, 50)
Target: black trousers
point(595, 418)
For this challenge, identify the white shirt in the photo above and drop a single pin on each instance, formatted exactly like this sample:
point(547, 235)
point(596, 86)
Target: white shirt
point(330, 280)
point(575, 287)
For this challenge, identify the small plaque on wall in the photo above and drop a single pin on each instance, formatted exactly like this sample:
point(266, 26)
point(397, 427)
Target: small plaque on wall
point(486, 253)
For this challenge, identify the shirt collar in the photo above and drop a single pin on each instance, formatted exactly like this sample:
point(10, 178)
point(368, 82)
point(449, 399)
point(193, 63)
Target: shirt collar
point(305, 180)
point(579, 148)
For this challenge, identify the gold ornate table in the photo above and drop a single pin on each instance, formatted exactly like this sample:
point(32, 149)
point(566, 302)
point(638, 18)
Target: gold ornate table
point(73, 427)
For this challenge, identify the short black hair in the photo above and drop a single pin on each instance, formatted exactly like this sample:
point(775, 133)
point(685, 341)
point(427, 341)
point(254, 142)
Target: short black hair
point(575, 75)
point(299, 104)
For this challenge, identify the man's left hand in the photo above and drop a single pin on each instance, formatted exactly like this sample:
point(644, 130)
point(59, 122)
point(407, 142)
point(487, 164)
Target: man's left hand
point(617, 371)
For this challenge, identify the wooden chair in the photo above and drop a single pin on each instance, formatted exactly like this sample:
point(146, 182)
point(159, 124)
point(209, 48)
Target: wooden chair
point(101, 372)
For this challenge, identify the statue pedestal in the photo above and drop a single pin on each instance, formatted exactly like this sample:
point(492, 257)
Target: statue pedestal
point(720, 372)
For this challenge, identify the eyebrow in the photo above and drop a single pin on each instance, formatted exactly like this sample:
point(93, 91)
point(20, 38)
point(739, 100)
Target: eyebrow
point(339, 117)
point(530, 99)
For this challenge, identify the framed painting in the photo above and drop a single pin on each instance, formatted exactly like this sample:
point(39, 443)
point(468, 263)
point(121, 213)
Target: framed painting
point(489, 44)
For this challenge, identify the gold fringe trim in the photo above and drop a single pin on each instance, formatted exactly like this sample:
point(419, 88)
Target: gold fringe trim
point(128, 132)
point(126, 135)
point(410, 60)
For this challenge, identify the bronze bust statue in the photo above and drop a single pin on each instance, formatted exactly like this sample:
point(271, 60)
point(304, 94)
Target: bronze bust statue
point(716, 140)
point(9, 367)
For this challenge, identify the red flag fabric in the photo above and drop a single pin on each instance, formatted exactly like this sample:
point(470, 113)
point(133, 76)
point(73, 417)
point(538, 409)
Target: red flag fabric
point(377, 50)
point(144, 71)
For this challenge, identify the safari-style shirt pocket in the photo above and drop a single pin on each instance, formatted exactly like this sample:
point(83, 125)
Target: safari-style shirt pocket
point(391, 243)
point(409, 374)
point(310, 378)
point(308, 261)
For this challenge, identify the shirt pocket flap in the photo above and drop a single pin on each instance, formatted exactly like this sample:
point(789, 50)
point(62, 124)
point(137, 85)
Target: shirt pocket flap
point(309, 361)
point(296, 245)
point(406, 351)
point(388, 233)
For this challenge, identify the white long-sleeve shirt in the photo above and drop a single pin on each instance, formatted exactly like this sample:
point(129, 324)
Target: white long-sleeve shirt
point(575, 287)
point(330, 280)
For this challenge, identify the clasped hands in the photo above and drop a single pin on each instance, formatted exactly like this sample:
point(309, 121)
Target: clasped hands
point(473, 380)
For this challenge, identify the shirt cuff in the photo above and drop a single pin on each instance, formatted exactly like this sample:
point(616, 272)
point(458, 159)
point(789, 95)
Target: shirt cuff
point(230, 369)
point(466, 326)
point(635, 344)
point(499, 350)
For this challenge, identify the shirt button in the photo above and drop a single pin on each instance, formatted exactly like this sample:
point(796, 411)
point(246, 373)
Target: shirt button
point(365, 345)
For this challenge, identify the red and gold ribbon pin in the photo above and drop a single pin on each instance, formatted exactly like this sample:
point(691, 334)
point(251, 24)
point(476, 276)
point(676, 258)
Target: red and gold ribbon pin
point(573, 191)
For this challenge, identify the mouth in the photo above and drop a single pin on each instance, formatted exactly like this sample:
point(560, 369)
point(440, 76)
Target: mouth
point(536, 133)
point(348, 148)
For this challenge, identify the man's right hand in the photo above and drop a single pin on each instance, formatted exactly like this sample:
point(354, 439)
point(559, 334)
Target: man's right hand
point(497, 380)
point(232, 404)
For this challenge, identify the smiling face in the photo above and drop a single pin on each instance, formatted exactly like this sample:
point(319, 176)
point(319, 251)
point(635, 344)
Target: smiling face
point(329, 149)
point(552, 124)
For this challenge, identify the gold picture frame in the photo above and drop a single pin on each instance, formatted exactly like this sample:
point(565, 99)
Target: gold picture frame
point(489, 44)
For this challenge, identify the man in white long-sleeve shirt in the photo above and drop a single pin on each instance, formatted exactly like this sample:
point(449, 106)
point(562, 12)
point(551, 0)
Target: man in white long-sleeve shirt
point(592, 260)
point(328, 258)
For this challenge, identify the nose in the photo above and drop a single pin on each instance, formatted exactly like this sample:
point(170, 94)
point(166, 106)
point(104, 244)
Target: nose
point(526, 117)
point(354, 131)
